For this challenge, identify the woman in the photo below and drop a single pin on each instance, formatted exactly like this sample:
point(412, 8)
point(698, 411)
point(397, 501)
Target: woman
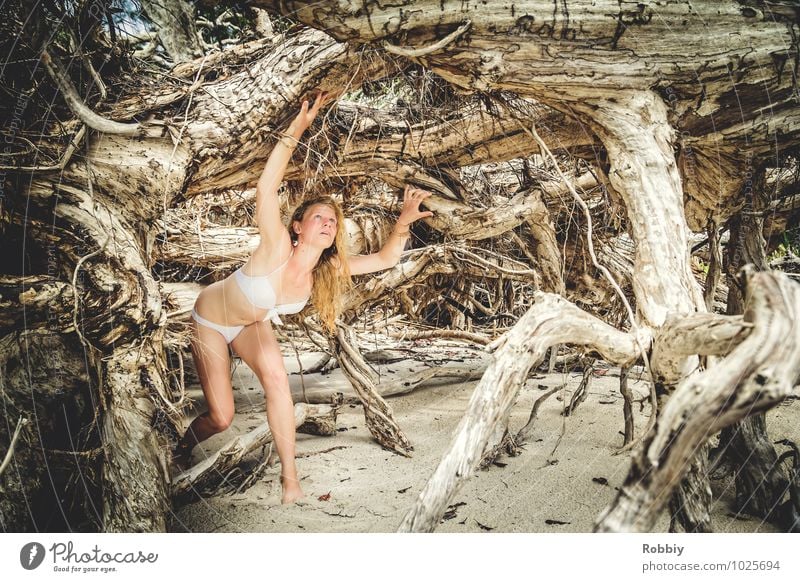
point(290, 266)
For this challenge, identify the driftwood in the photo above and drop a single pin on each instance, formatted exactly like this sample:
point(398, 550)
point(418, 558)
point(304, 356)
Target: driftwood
point(378, 414)
point(522, 435)
point(320, 425)
point(627, 406)
point(745, 447)
point(756, 375)
point(551, 320)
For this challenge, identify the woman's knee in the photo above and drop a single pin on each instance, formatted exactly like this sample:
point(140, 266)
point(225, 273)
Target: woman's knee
point(220, 420)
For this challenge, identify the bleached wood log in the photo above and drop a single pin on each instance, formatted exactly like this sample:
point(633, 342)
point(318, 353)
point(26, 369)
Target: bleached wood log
point(378, 414)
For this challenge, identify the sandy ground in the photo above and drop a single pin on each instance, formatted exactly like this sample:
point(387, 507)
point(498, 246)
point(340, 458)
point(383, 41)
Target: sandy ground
point(360, 487)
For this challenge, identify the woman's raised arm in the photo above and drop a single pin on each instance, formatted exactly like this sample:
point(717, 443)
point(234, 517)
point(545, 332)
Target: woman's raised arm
point(389, 255)
point(268, 215)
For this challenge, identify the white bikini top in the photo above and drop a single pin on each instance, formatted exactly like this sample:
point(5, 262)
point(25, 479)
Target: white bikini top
point(260, 293)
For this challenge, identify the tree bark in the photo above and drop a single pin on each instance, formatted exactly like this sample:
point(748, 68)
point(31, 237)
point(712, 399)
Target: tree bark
point(43, 380)
point(760, 481)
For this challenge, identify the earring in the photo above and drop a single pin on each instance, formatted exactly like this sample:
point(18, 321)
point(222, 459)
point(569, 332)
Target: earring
point(295, 242)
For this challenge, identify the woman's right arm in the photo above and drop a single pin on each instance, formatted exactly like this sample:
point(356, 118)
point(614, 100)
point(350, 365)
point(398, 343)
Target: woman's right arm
point(268, 214)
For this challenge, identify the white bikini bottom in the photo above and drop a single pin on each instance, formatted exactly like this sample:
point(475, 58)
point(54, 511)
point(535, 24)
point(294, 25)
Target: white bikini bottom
point(229, 332)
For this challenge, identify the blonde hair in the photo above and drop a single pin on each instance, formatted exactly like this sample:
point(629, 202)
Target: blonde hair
point(332, 272)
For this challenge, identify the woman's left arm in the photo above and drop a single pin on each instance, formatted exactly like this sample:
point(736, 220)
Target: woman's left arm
point(389, 255)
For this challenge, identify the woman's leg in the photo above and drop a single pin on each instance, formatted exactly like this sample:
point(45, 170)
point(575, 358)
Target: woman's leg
point(259, 349)
point(213, 363)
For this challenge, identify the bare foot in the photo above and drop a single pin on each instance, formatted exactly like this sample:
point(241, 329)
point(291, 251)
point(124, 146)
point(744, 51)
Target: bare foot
point(291, 490)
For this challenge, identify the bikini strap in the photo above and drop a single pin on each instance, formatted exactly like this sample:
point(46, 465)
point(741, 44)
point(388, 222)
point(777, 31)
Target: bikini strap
point(240, 270)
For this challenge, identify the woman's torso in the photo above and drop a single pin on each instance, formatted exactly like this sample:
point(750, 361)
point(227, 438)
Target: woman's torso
point(226, 302)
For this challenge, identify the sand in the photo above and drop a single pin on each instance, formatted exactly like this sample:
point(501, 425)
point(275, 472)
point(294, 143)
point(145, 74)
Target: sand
point(354, 485)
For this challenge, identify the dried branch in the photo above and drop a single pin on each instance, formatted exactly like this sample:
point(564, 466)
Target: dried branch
point(21, 423)
point(421, 52)
point(82, 111)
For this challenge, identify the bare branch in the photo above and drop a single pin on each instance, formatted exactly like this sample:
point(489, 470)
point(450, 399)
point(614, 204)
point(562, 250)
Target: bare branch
point(81, 110)
point(21, 423)
point(421, 52)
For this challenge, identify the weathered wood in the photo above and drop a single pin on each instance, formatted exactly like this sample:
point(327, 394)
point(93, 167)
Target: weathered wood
point(551, 320)
point(702, 334)
point(754, 376)
point(682, 51)
point(43, 378)
point(760, 482)
point(322, 425)
point(627, 405)
point(119, 317)
point(650, 81)
point(691, 502)
point(176, 27)
point(523, 434)
point(228, 135)
point(40, 299)
point(442, 333)
point(379, 418)
point(462, 137)
point(714, 267)
point(135, 472)
point(745, 445)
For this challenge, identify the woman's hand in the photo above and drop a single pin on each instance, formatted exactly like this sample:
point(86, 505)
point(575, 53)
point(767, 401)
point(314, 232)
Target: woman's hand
point(307, 114)
point(389, 255)
point(412, 198)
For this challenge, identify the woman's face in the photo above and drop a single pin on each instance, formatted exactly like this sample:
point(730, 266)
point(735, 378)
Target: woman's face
point(318, 227)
